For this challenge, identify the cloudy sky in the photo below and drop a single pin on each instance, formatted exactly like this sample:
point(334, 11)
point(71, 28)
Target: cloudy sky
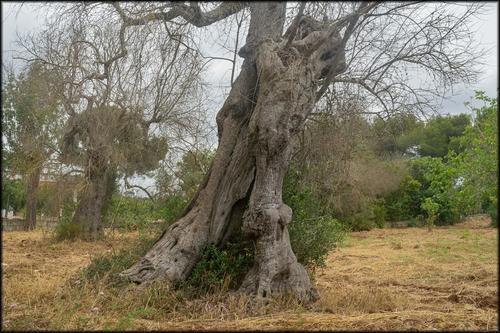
point(21, 20)
point(26, 19)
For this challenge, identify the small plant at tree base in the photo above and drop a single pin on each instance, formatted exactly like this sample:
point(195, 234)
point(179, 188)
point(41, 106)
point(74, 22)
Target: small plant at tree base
point(431, 208)
point(220, 269)
point(65, 229)
point(106, 265)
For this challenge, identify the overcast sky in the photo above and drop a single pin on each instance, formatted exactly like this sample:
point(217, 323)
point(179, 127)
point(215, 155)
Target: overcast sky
point(26, 19)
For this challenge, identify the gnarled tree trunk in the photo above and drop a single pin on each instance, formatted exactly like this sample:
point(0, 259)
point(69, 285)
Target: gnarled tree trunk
point(31, 198)
point(266, 107)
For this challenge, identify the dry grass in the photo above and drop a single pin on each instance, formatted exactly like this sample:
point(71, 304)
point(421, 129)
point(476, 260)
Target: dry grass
point(385, 279)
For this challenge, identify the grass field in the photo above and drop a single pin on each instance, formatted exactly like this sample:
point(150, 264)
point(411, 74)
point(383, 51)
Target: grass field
point(384, 279)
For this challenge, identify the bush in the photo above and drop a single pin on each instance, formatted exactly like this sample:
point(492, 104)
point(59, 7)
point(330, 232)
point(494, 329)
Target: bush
point(313, 232)
point(172, 207)
point(65, 229)
point(404, 203)
point(361, 221)
point(379, 212)
point(477, 164)
point(220, 269)
point(133, 213)
point(129, 213)
point(429, 178)
point(372, 216)
point(491, 208)
point(431, 209)
point(415, 222)
point(313, 238)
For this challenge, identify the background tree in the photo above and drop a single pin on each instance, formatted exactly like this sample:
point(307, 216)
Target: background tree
point(435, 137)
point(477, 164)
point(13, 194)
point(396, 135)
point(325, 49)
point(192, 169)
point(122, 112)
point(32, 120)
point(431, 209)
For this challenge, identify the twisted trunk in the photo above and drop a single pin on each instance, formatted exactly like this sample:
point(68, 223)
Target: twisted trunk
point(266, 107)
point(31, 198)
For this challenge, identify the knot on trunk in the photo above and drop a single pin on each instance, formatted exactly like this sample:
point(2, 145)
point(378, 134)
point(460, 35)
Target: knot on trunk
point(264, 221)
point(331, 57)
point(285, 215)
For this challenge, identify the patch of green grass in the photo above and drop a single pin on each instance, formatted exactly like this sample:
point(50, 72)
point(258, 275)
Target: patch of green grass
point(107, 265)
point(122, 324)
point(126, 322)
point(465, 234)
point(438, 252)
point(142, 313)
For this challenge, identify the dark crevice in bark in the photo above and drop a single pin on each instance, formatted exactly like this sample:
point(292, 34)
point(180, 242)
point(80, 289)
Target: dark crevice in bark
point(236, 217)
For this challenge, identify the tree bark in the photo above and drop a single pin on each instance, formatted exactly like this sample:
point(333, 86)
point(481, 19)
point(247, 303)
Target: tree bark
point(31, 198)
point(267, 106)
point(88, 214)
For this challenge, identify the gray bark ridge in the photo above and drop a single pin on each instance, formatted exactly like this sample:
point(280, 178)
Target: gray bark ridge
point(287, 87)
point(88, 214)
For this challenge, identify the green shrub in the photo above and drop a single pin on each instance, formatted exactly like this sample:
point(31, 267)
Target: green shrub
point(220, 269)
point(133, 213)
point(491, 209)
point(172, 207)
point(477, 164)
point(372, 216)
point(431, 208)
point(129, 213)
point(361, 221)
point(405, 202)
point(412, 223)
point(313, 238)
point(379, 213)
point(429, 178)
point(65, 229)
point(313, 232)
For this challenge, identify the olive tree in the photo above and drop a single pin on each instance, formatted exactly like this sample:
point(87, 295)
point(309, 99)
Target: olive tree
point(121, 111)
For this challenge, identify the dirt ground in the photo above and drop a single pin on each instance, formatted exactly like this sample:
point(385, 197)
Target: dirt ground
point(384, 279)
